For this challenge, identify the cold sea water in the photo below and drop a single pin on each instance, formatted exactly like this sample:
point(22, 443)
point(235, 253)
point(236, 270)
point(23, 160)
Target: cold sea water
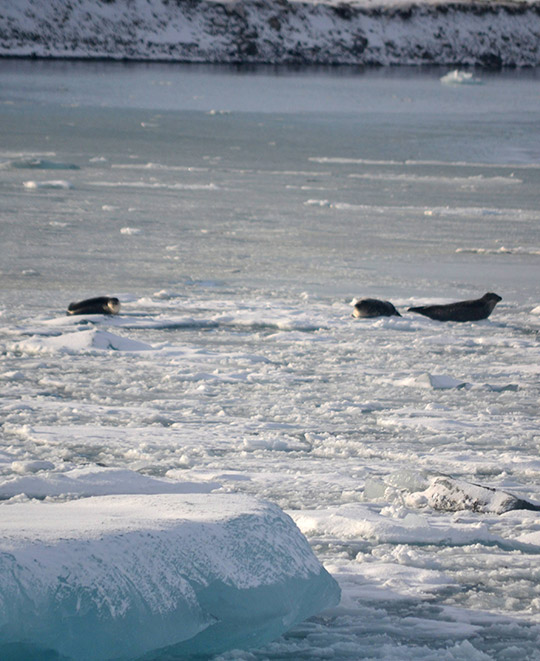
point(236, 213)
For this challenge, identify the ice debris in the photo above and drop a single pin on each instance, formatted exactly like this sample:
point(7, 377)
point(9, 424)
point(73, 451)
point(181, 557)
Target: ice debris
point(443, 493)
point(450, 495)
point(458, 77)
point(90, 481)
point(55, 184)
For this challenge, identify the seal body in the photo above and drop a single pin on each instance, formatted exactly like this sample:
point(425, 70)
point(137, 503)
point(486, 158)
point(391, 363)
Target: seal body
point(372, 307)
point(98, 305)
point(474, 310)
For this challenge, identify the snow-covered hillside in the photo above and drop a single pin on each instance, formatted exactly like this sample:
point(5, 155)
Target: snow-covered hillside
point(479, 33)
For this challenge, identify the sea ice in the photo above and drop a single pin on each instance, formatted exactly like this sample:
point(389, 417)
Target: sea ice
point(86, 340)
point(37, 164)
point(56, 183)
point(125, 576)
point(435, 381)
point(90, 481)
point(448, 494)
point(458, 77)
point(444, 493)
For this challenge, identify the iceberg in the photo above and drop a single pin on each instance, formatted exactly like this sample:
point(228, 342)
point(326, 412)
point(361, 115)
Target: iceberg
point(152, 576)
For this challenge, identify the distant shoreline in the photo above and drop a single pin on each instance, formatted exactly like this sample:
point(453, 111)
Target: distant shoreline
point(479, 34)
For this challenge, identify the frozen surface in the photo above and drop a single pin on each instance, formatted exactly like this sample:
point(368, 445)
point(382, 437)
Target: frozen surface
point(122, 576)
point(260, 204)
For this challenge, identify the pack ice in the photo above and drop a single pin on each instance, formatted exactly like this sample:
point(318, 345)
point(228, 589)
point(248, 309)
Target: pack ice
point(127, 576)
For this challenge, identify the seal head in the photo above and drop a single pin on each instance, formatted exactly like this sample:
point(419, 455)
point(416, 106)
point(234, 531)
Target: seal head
point(474, 310)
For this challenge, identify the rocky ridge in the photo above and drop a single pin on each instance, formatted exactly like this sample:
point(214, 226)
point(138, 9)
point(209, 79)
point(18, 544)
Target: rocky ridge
point(477, 33)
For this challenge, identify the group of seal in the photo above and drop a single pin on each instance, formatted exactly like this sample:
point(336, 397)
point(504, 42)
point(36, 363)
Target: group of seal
point(97, 305)
point(473, 310)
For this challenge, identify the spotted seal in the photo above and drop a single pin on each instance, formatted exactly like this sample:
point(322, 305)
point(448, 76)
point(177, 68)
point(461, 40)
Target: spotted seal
point(372, 307)
point(98, 305)
point(474, 310)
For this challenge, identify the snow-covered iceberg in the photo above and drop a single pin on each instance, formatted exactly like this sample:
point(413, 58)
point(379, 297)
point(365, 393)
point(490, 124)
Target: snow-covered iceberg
point(121, 577)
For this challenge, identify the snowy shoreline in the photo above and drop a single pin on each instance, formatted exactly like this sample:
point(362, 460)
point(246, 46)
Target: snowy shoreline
point(490, 35)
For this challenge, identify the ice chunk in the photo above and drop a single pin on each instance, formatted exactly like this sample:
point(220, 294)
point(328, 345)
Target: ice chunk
point(458, 77)
point(23, 467)
point(85, 340)
point(390, 525)
point(57, 183)
point(123, 576)
point(38, 164)
point(92, 481)
point(435, 381)
point(448, 494)
point(130, 230)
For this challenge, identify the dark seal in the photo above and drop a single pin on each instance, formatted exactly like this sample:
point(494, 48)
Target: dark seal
point(98, 305)
point(372, 307)
point(479, 308)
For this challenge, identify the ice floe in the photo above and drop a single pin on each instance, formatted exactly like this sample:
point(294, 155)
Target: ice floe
point(459, 77)
point(60, 184)
point(84, 340)
point(37, 164)
point(89, 481)
point(448, 494)
point(444, 493)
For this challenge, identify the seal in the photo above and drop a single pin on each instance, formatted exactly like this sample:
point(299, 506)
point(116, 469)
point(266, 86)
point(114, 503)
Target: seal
point(372, 307)
point(475, 310)
point(98, 305)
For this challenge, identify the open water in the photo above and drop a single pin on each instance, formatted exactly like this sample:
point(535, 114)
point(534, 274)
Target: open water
point(236, 213)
